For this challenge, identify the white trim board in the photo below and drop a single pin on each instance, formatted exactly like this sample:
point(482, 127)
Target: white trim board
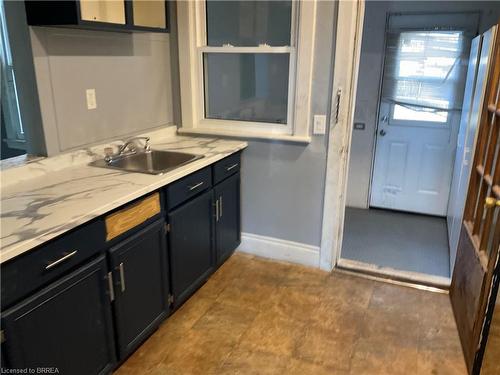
point(275, 248)
point(349, 32)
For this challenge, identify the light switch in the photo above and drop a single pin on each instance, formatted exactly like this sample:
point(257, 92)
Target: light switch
point(319, 126)
point(91, 101)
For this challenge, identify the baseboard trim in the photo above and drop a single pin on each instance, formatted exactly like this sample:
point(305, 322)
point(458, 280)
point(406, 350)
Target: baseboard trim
point(275, 248)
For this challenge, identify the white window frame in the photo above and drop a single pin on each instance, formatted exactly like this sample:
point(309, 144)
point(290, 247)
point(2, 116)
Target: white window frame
point(191, 18)
point(15, 137)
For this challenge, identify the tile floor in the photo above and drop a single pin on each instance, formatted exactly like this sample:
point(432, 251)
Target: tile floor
point(256, 316)
point(398, 240)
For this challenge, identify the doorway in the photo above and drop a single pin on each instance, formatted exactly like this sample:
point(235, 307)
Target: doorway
point(398, 195)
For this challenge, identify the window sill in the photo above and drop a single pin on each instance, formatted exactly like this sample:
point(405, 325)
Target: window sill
point(247, 135)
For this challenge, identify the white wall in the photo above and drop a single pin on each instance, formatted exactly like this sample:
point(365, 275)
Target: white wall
point(370, 70)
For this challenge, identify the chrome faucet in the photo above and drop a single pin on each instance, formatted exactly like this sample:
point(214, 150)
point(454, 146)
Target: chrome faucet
point(131, 145)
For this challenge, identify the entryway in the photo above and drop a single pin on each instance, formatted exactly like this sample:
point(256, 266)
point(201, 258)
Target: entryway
point(412, 102)
point(397, 240)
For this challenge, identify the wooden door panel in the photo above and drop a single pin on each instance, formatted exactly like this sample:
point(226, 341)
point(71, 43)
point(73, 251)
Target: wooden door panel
point(463, 293)
point(478, 248)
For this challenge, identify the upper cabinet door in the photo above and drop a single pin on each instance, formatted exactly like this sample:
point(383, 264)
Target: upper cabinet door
point(149, 14)
point(141, 285)
point(66, 326)
point(103, 11)
point(112, 15)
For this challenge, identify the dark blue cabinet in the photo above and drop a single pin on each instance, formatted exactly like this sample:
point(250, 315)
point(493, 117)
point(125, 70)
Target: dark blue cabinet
point(191, 247)
point(141, 285)
point(66, 325)
point(228, 218)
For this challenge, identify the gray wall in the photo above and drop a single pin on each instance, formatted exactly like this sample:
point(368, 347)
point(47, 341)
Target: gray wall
point(131, 74)
point(370, 71)
point(283, 183)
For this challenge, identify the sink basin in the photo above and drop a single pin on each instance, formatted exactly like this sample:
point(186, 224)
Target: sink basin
point(151, 162)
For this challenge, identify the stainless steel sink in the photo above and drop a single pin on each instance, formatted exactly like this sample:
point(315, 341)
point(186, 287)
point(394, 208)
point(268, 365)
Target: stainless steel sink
point(152, 162)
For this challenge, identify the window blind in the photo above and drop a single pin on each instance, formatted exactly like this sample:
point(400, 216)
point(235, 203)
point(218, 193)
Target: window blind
point(425, 65)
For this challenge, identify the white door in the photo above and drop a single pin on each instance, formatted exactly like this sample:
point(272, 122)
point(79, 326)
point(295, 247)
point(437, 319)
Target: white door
point(417, 132)
point(479, 64)
point(413, 163)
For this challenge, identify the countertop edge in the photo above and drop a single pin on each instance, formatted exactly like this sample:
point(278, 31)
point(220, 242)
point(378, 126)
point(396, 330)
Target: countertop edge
point(12, 251)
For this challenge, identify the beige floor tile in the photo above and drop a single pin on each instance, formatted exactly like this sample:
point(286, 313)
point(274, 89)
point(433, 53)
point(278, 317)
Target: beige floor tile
point(247, 294)
point(198, 353)
point(272, 334)
point(434, 362)
point(189, 313)
point(326, 348)
point(253, 363)
point(381, 356)
point(225, 322)
point(299, 367)
point(256, 316)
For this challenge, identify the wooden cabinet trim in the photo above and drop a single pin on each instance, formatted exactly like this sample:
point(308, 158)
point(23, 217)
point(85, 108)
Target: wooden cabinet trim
point(132, 216)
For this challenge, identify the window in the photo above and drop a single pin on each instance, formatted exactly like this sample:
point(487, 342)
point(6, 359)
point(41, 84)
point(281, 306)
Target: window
point(423, 74)
point(239, 67)
point(12, 128)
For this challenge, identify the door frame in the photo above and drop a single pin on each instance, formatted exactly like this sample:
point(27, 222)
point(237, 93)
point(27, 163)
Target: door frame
point(349, 33)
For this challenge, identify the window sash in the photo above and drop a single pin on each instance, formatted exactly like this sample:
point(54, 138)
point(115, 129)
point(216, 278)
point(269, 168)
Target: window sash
point(249, 126)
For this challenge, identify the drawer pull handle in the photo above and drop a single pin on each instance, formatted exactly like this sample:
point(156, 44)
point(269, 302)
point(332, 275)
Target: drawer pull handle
point(231, 167)
point(195, 186)
point(220, 206)
point(122, 277)
point(65, 257)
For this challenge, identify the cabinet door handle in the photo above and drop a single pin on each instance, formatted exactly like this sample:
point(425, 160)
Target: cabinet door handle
point(111, 287)
point(231, 167)
point(217, 210)
point(60, 260)
point(195, 186)
point(220, 206)
point(122, 277)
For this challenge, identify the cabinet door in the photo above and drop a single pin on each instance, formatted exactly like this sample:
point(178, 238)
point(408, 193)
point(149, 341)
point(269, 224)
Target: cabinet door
point(141, 285)
point(67, 325)
point(191, 245)
point(228, 219)
point(102, 11)
point(149, 14)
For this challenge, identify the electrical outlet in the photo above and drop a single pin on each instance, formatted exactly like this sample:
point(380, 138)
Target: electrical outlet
point(91, 100)
point(319, 126)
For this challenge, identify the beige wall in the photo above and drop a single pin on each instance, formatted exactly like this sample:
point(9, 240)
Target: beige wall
point(131, 73)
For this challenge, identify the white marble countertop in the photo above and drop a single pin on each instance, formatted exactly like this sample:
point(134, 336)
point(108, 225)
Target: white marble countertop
point(44, 199)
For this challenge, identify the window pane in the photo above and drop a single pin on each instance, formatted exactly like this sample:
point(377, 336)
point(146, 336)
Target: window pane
point(246, 86)
point(409, 114)
point(248, 23)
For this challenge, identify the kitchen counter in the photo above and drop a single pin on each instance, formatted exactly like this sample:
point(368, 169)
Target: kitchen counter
point(46, 198)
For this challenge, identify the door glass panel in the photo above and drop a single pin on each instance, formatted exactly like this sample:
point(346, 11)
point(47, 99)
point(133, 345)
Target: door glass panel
point(103, 11)
point(246, 86)
point(407, 113)
point(249, 23)
point(149, 13)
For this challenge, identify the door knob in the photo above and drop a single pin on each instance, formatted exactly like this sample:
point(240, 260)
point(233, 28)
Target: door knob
point(491, 202)
point(382, 132)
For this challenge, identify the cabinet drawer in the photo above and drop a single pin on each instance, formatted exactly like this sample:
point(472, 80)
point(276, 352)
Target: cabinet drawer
point(226, 167)
point(188, 187)
point(32, 270)
point(132, 216)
